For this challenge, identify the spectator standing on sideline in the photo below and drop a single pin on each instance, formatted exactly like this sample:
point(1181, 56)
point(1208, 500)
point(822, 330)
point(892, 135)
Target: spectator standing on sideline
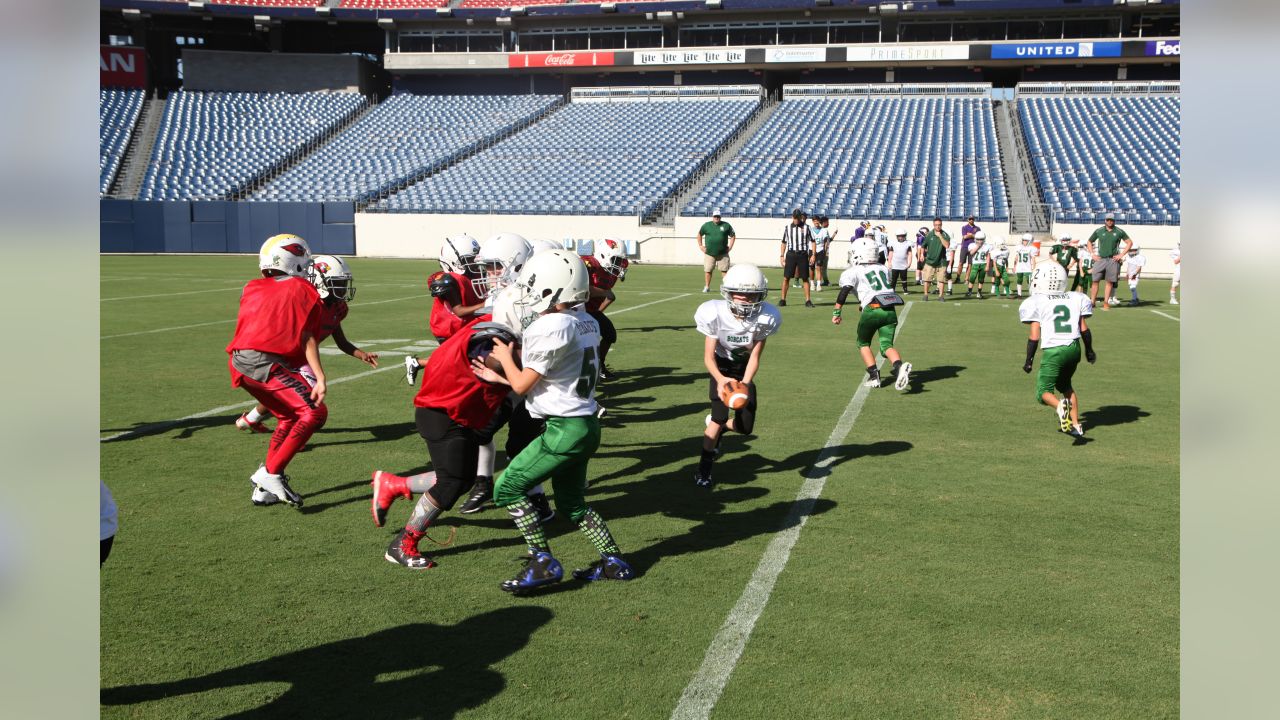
point(796, 254)
point(821, 243)
point(1104, 248)
point(902, 254)
point(715, 240)
point(831, 239)
point(1175, 255)
point(936, 244)
point(920, 252)
point(962, 253)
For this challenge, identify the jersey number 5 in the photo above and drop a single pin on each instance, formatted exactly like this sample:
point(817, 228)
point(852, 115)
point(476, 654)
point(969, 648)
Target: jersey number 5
point(878, 283)
point(587, 379)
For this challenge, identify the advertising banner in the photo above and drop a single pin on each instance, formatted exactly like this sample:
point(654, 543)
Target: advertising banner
point(718, 56)
point(1164, 47)
point(795, 55)
point(120, 66)
point(908, 53)
point(1055, 50)
point(564, 59)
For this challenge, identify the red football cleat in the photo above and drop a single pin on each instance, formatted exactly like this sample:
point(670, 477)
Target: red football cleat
point(386, 488)
point(243, 423)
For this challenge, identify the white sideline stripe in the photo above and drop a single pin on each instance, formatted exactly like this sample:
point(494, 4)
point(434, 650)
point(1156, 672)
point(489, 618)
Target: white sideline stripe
point(655, 302)
point(223, 322)
point(156, 427)
point(703, 691)
point(1168, 316)
point(189, 292)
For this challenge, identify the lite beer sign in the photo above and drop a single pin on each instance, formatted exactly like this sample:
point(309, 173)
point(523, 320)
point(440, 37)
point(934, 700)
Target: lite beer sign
point(690, 57)
point(121, 67)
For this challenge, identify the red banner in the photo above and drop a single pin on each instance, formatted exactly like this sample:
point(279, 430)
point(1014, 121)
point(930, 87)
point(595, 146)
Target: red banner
point(120, 66)
point(564, 59)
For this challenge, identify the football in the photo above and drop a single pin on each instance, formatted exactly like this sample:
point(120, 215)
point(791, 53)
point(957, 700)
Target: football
point(734, 394)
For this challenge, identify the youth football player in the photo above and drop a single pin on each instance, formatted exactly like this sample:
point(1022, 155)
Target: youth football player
point(1084, 270)
point(1024, 261)
point(336, 286)
point(979, 262)
point(558, 379)
point(870, 281)
point(454, 300)
point(276, 328)
point(736, 329)
point(1000, 269)
point(1057, 320)
point(1133, 269)
point(604, 267)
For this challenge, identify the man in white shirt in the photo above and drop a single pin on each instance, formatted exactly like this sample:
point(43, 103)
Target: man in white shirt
point(902, 255)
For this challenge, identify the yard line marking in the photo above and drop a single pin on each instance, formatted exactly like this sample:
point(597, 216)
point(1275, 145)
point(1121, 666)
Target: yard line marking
point(157, 427)
point(703, 691)
point(655, 302)
point(189, 292)
point(1168, 316)
point(223, 322)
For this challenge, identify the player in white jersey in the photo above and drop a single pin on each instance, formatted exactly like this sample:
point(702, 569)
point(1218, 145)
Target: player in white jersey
point(979, 262)
point(558, 379)
point(736, 329)
point(870, 280)
point(1133, 270)
point(902, 255)
point(1000, 268)
point(1176, 256)
point(1024, 261)
point(1057, 320)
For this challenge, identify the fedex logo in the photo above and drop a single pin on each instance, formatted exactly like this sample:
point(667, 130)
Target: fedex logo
point(1164, 47)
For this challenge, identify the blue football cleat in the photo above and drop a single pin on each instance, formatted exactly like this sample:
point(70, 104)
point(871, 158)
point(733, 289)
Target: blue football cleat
point(608, 567)
point(540, 569)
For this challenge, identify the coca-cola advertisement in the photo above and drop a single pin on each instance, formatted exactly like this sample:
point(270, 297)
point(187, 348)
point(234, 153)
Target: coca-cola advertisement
point(564, 59)
point(121, 67)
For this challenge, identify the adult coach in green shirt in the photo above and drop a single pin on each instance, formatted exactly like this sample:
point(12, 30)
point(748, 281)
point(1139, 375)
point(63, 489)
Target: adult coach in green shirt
point(1104, 248)
point(935, 258)
point(715, 240)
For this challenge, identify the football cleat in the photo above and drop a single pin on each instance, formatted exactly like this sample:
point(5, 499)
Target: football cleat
point(540, 569)
point(1064, 415)
point(261, 497)
point(701, 481)
point(411, 368)
point(277, 485)
point(403, 550)
point(706, 289)
point(1173, 301)
point(872, 382)
point(480, 495)
point(606, 373)
point(608, 567)
point(601, 411)
point(386, 488)
point(904, 377)
point(1076, 431)
point(545, 513)
point(244, 423)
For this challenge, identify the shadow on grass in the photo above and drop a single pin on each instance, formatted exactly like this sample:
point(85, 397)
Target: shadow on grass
point(1112, 415)
point(436, 671)
point(920, 378)
point(187, 427)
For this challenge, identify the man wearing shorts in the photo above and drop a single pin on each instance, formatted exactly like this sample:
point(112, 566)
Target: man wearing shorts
point(715, 240)
point(935, 246)
point(1104, 248)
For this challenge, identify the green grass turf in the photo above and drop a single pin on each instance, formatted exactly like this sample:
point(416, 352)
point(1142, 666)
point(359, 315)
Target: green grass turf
point(964, 559)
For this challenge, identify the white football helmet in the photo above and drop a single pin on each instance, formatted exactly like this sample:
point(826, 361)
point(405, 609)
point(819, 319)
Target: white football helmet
point(1048, 278)
point(458, 255)
point(504, 309)
point(901, 232)
point(549, 278)
point(332, 277)
point(744, 279)
point(540, 245)
point(500, 259)
point(864, 252)
point(612, 256)
point(1133, 249)
point(1026, 238)
point(979, 236)
point(286, 253)
point(1000, 241)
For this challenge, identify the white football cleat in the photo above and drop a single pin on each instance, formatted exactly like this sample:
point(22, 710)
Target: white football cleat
point(261, 497)
point(411, 368)
point(904, 377)
point(1064, 415)
point(1173, 301)
point(277, 485)
point(872, 382)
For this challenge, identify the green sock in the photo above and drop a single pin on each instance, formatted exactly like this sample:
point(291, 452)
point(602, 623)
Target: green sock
point(526, 519)
point(592, 525)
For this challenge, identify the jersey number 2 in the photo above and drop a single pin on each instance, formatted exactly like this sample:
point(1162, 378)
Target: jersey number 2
point(1062, 319)
point(587, 380)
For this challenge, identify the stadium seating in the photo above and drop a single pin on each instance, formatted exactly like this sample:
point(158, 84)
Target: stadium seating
point(508, 3)
point(118, 112)
point(212, 143)
point(1094, 154)
point(871, 156)
point(596, 158)
point(403, 136)
point(392, 4)
point(269, 3)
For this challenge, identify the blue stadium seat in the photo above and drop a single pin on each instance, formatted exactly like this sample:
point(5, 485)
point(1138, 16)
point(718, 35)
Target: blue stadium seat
point(118, 112)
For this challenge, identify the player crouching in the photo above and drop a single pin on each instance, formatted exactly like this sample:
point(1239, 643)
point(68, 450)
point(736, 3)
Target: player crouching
point(276, 330)
point(1057, 320)
point(736, 329)
point(870, 280)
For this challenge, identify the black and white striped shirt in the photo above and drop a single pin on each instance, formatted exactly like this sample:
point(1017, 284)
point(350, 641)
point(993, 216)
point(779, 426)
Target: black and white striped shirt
point(797, 238)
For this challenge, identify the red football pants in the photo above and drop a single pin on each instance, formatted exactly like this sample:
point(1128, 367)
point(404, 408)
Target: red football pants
point(288, 396)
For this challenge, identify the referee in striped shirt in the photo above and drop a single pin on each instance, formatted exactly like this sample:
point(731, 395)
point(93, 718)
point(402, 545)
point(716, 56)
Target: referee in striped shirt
point(798, 248)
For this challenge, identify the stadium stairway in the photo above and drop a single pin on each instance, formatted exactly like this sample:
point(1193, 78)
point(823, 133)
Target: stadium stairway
point(1027, 211)
point(670, 207)
point(137, 154)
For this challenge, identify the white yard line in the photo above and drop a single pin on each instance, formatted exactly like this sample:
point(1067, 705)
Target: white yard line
point(655, 302)
point(189, 292)
point(1168, 316)
point(703, 691)
point(223, 322)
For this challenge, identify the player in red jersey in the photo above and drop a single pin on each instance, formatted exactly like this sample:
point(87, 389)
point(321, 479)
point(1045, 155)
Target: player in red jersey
point(456, 413)
point(276, 330)
point(454, 299)
point(336, 287)
point(606, 265)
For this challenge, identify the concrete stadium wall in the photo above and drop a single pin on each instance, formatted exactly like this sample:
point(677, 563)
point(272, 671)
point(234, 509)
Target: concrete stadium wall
point(419, 236)
point(128, 226)
point(226, 71)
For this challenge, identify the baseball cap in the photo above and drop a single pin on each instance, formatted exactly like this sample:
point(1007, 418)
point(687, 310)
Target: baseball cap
point(1109, 216)
point(715, 213)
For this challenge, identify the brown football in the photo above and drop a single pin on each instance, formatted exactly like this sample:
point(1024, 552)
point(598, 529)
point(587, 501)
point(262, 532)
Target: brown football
point(734, 394)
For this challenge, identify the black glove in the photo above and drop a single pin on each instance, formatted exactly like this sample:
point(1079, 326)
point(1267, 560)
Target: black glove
point(1026, 367)
point(1091, 356)
point(1031, 355)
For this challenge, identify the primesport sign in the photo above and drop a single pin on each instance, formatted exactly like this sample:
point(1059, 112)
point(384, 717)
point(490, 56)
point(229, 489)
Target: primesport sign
point(564, 59)
point(1164, 47)
point(689, 57)
point(120, 66)
point(908, 53)
point(1055, 51)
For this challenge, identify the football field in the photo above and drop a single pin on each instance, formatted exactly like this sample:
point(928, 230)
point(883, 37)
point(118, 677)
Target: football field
point(938, 553)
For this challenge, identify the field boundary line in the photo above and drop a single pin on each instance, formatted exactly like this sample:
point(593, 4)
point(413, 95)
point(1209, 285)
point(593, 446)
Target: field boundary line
point(1175, 319)
point(159, 295)
point(655, 302)
point(703, 691)
point(223, 322)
